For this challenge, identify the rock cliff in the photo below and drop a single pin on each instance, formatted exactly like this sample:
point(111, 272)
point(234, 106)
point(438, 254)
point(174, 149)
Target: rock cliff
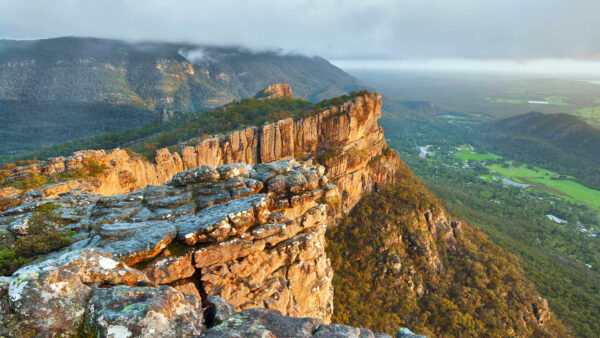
point(253, 235)
point(345, 138)
point(275, 91)
point(240, 216)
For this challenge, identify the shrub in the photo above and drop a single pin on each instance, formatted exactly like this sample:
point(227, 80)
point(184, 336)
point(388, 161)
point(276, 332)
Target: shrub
point(43, 237)
point(94, 168)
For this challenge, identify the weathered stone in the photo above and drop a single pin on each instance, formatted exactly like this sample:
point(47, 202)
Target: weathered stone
point(277, 184)
point(170, 269)
point(123, 311)
point(171, 201)
point(52, 301)
point(203, 173)
point(235, 216)
point(218, 311)
point(24, 208)
point(187, 287)
point(234, 170)
point(168, 214)
point(20, 225)
point(296, 182)
point(265, 171)
point(136, 242)
point(51, 296)
point(263, 323)
point(339, 331)
point(275, 91)
point(406, 333)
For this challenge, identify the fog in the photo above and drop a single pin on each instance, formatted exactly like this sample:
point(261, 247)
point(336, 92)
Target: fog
point(493, 33)
point(580, 69)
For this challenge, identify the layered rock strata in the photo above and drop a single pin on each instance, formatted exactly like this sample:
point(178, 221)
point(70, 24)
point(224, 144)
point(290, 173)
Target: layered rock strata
point(346, 139)
point(142, 262)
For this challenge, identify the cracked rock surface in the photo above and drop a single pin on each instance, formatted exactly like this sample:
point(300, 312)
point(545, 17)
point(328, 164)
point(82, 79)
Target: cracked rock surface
point(251, 235)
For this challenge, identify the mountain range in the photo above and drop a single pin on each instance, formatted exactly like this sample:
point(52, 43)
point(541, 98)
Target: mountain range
point(59, 89)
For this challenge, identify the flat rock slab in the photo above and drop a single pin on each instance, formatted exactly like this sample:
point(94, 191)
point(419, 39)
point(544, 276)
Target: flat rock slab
point(135, 242)
point(123, 311)
point(241, 214)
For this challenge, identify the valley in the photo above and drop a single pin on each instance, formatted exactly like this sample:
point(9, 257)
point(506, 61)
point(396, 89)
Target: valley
point(562, 260)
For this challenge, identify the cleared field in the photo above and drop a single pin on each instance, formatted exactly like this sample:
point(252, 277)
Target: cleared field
point(557, 100)
point(469, 154)
point(543, 179)
point(590, 114)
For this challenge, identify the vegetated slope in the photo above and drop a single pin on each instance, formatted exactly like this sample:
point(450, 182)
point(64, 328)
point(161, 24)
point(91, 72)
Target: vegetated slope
point(553, 256)
point(187, 126)
point(559, 142)
point(57, 89)
point(399, 262)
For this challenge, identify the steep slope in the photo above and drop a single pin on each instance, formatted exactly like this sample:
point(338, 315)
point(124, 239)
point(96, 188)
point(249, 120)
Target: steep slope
point(399, 261)
point(74, 87)
point(560, 142)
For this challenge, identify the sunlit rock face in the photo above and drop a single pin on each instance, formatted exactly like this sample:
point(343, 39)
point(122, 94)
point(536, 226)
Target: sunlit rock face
point(253, 235)
point(240, 216)
point(275, 91)
point(345, 138)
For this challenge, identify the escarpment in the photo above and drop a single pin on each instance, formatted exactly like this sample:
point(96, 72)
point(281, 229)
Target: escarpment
point(253, 235)
point(345, 138)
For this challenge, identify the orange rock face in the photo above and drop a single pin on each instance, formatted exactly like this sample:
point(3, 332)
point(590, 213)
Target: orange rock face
point(345, 138)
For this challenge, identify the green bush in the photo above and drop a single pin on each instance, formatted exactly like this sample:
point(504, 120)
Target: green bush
point(43, 237)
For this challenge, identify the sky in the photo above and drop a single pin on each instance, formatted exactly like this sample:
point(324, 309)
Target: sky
point(350, 31)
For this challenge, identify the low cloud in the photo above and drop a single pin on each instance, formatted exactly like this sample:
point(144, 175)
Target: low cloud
point(194, 55)
point(375, 29)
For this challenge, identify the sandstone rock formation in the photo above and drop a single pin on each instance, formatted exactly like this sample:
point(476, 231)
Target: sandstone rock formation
point(235, 216)
point(275, 91)
point(253, 235)
point(346, 139)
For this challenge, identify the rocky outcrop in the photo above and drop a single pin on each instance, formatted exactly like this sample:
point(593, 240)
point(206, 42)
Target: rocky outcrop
point(275, 91)
point(253, 235)
point(345, 138)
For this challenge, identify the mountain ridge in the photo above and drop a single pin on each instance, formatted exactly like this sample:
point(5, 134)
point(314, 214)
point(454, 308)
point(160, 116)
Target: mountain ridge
point(47, 85)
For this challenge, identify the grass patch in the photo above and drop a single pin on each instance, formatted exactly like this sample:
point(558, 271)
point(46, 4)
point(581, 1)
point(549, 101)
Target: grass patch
point(590, 114)
point(562, 186)
point(557, 100)
point(468, 154)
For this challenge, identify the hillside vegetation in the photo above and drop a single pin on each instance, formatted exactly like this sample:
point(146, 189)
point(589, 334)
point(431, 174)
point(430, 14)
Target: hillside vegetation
point(188, 127)
point(553, 256)
point(559, 142)
point(56, 90)
point(385, 272)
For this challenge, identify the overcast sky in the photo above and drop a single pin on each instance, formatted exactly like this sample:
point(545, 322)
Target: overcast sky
point(335, 29)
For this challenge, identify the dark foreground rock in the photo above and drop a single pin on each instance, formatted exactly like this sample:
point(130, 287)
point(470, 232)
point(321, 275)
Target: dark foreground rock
point(259, 322)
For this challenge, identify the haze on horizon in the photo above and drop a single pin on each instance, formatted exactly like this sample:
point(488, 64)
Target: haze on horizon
point(511, 35)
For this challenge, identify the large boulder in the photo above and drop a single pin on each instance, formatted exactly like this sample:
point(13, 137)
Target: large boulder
point(123, 311)
point(52, 295)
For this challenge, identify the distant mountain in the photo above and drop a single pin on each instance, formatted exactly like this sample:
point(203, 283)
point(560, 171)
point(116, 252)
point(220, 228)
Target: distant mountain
point(561, 142)
point(58, 89)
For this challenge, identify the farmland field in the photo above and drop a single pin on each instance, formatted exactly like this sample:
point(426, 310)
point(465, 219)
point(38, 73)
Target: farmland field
point(469, 154)
point(547, 180)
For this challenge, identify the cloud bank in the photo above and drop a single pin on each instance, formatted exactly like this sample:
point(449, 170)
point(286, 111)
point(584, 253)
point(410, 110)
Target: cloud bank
point(337, 29)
